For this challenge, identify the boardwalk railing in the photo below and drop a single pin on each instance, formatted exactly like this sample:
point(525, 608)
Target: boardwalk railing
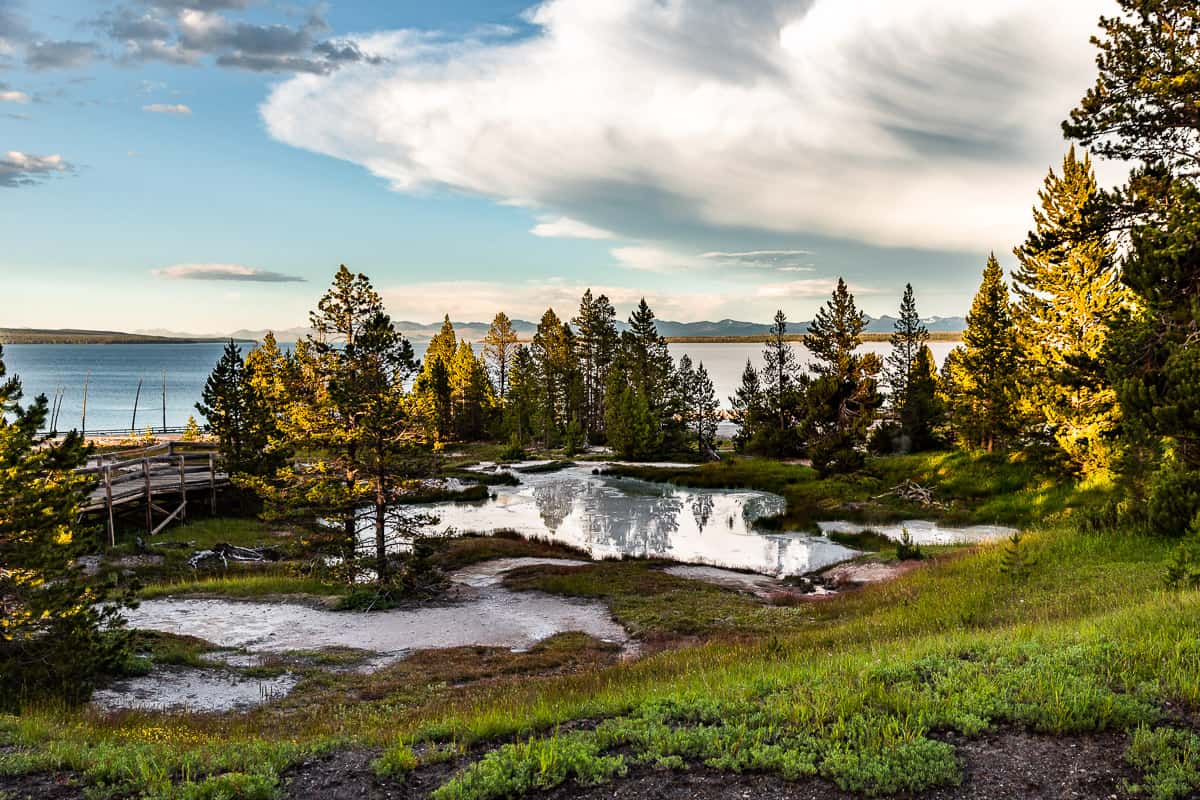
point(171, 469)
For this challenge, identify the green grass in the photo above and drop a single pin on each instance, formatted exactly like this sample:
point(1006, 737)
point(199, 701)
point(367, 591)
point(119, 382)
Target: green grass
point(269, 581)
point(969, 488)
point(857, 690)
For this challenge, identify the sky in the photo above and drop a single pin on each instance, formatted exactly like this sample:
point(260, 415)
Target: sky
point(205, 165)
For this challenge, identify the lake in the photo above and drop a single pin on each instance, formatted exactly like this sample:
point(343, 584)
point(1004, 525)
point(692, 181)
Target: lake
point(114, 370)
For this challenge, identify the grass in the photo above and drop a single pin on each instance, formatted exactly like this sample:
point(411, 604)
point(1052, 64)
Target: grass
point(856, 690)
point(970, 488)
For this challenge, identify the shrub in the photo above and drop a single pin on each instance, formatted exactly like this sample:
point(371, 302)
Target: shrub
point(1169, 760)
point(1174, 500)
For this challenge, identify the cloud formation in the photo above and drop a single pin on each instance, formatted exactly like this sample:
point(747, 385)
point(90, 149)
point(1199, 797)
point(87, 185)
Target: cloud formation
point(24, 169)
point(168, 108)
point(920, 124)
point(224, 272)
point(46, 55)
point(12, 95)
point(567, 228)
point(187, 31)
point(480, 300)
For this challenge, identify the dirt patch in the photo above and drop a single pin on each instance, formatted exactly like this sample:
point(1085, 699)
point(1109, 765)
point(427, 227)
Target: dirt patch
point(347, 775)
point(858, 573)
point(1014, 765)
point(42, 786)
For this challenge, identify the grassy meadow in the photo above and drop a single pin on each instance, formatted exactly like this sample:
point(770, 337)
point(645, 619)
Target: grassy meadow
point(1073, 631)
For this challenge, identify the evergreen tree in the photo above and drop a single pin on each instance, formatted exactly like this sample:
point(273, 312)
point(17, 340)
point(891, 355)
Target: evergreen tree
point(521, 410)
point(224, 403)
point(1143, 109)
point(471, 393)
point(596, 345)
point(56, 632)
point(746, 407)
point(560, 381)
point(644, 365)
point(980, 375)
point(699, 401)
point(842, 398)
point(1067, 291)
point(908, 337)
point(264, 376)
point(923, 412)
point(782, 385)
point(433, 392)
point(357, 419)
point(499, 348)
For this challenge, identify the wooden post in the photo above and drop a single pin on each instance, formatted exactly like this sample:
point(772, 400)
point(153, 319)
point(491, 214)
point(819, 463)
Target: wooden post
point(182, 487)
point(112, 527)
point(149, 496)
point(136, 398)
point(212, 483)
point(83, 423)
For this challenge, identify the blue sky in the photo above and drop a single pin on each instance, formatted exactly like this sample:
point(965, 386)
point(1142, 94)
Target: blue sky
point(204, 165)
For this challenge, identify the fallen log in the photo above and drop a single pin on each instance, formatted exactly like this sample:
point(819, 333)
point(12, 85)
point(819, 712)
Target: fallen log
point(911, 491)
point(225, 553)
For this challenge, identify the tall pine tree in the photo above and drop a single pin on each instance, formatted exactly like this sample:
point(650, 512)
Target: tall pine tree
point(909, 335)
point(596, 344)
point(980, 375)
point(57, 633)
point(499, 347)
point(782, 383)
point(1068, 291)
point(842, 399)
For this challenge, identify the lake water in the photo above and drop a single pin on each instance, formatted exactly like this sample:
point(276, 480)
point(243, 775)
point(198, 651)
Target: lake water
point(113, 371)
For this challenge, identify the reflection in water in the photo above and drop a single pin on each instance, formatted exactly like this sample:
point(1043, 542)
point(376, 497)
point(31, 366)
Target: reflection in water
point(614, 517)
point(702, 508)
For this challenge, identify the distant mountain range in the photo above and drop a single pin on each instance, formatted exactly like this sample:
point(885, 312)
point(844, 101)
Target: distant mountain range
point(474, 331)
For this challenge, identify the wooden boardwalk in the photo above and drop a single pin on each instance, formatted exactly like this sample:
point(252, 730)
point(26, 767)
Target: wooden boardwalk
point(166, 473)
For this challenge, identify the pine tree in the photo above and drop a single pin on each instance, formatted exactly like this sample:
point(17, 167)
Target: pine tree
point(908, 337)
point(702, 408)
point(471, 393)
point(782, 385)
point(1067, 291)
point(842, 399)
point(596, 345)
point(223, 402)
point(554, 359)
point(357, 419)
point(923, 412)
point(746, 407)
point(433, 392)
point(499, 348)
point(264, 376)
point(57, 633)
point(521, 410)
point(979, 377)
point(644, 364)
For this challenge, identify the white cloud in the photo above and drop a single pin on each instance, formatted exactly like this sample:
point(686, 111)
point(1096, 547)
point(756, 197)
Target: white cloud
point(927, 123)
point(224, 272)
point(13, 96)
point(478, 301)
point(567, 228)
point(808, 289)
point(165, 108)
point(26, 169)
point(649, 258)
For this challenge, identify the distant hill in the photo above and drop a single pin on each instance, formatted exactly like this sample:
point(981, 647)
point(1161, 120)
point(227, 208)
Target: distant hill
point(75, 336)
point(722, 329)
